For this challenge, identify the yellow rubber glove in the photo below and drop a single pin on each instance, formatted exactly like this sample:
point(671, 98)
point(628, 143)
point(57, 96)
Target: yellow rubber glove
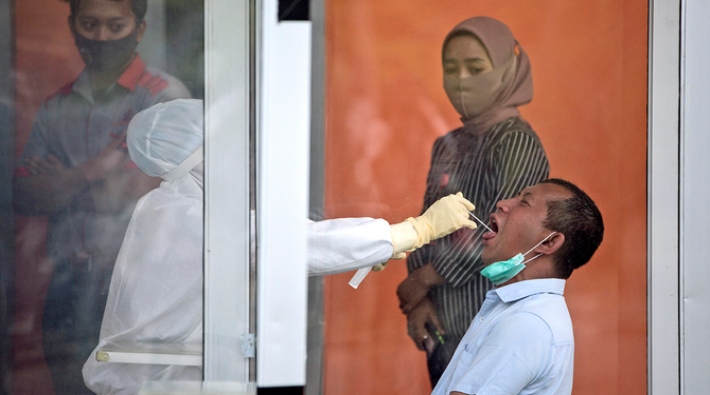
point(444, 217)
point(403, 238)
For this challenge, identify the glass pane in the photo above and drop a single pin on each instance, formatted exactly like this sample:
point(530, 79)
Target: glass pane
point(385, 108)
point(76, 86)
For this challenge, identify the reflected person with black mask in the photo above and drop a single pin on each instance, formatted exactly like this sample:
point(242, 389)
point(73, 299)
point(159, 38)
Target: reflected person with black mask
point(75, 169)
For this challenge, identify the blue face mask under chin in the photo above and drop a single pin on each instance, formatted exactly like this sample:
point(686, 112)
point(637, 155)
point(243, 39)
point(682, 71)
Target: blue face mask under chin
point(502, 271)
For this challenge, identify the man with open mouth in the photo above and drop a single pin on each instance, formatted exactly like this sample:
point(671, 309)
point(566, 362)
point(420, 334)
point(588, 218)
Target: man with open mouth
point(521, 340)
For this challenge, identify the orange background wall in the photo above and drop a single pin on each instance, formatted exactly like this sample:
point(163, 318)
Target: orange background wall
point(385, 106)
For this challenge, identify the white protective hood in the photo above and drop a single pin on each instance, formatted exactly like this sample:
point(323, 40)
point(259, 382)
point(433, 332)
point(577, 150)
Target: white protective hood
point(155, 297)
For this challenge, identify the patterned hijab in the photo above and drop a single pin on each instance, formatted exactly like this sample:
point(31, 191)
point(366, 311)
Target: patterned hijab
point(500, 44)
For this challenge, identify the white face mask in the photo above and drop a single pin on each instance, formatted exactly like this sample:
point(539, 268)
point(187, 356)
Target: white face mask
point(474, 95)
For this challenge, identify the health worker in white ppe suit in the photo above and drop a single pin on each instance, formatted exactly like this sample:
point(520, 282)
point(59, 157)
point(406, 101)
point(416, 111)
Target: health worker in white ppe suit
point(155, 296)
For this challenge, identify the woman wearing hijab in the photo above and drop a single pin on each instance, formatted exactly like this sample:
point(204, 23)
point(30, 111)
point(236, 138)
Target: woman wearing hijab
point(492, 156)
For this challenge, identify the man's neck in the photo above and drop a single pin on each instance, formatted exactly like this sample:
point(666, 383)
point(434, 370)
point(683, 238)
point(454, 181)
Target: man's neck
point(101, 80)
point(542, 267)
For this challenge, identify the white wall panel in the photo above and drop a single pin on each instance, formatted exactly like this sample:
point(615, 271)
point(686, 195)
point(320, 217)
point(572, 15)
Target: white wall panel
point(695, 208)
point(663, 192)
point(284, 133)
point(227, 237)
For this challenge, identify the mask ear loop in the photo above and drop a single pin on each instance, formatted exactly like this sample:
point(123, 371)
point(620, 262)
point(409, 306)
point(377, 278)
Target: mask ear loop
point(536, 245)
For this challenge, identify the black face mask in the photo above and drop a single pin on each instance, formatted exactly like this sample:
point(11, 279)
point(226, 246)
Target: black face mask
point(107, 55)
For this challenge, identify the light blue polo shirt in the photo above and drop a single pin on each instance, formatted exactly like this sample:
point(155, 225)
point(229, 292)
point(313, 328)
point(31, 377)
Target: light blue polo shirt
point(520, 342)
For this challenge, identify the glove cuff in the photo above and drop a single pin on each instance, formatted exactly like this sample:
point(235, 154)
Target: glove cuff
point(404, 237)
point(424, 231)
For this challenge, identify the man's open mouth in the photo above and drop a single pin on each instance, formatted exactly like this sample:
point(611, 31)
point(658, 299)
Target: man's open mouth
point(493, 224)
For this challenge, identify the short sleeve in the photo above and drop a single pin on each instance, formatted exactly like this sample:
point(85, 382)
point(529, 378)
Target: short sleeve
point(171, 89)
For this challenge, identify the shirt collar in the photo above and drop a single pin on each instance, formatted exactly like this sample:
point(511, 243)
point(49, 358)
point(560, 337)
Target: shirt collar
point(129, 79)
point(522, 289)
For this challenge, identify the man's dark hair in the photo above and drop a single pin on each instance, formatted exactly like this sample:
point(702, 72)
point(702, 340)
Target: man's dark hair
point(139, 7)
point(579, 219)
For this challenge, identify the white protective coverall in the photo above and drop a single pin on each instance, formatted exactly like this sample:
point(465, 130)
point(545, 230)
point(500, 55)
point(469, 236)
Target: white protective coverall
point(344, 244)
point(155, 296)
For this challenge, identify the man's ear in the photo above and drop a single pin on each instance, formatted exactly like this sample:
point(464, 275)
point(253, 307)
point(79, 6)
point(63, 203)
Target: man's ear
point(141, 31)
point(551, 245)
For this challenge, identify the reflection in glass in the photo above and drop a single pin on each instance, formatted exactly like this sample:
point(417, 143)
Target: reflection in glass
point(154, 303)
point(74, 170)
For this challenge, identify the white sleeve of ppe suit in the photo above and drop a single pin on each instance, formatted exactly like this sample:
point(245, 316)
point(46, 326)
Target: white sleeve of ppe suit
point(345, 244)
point(155, 296)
